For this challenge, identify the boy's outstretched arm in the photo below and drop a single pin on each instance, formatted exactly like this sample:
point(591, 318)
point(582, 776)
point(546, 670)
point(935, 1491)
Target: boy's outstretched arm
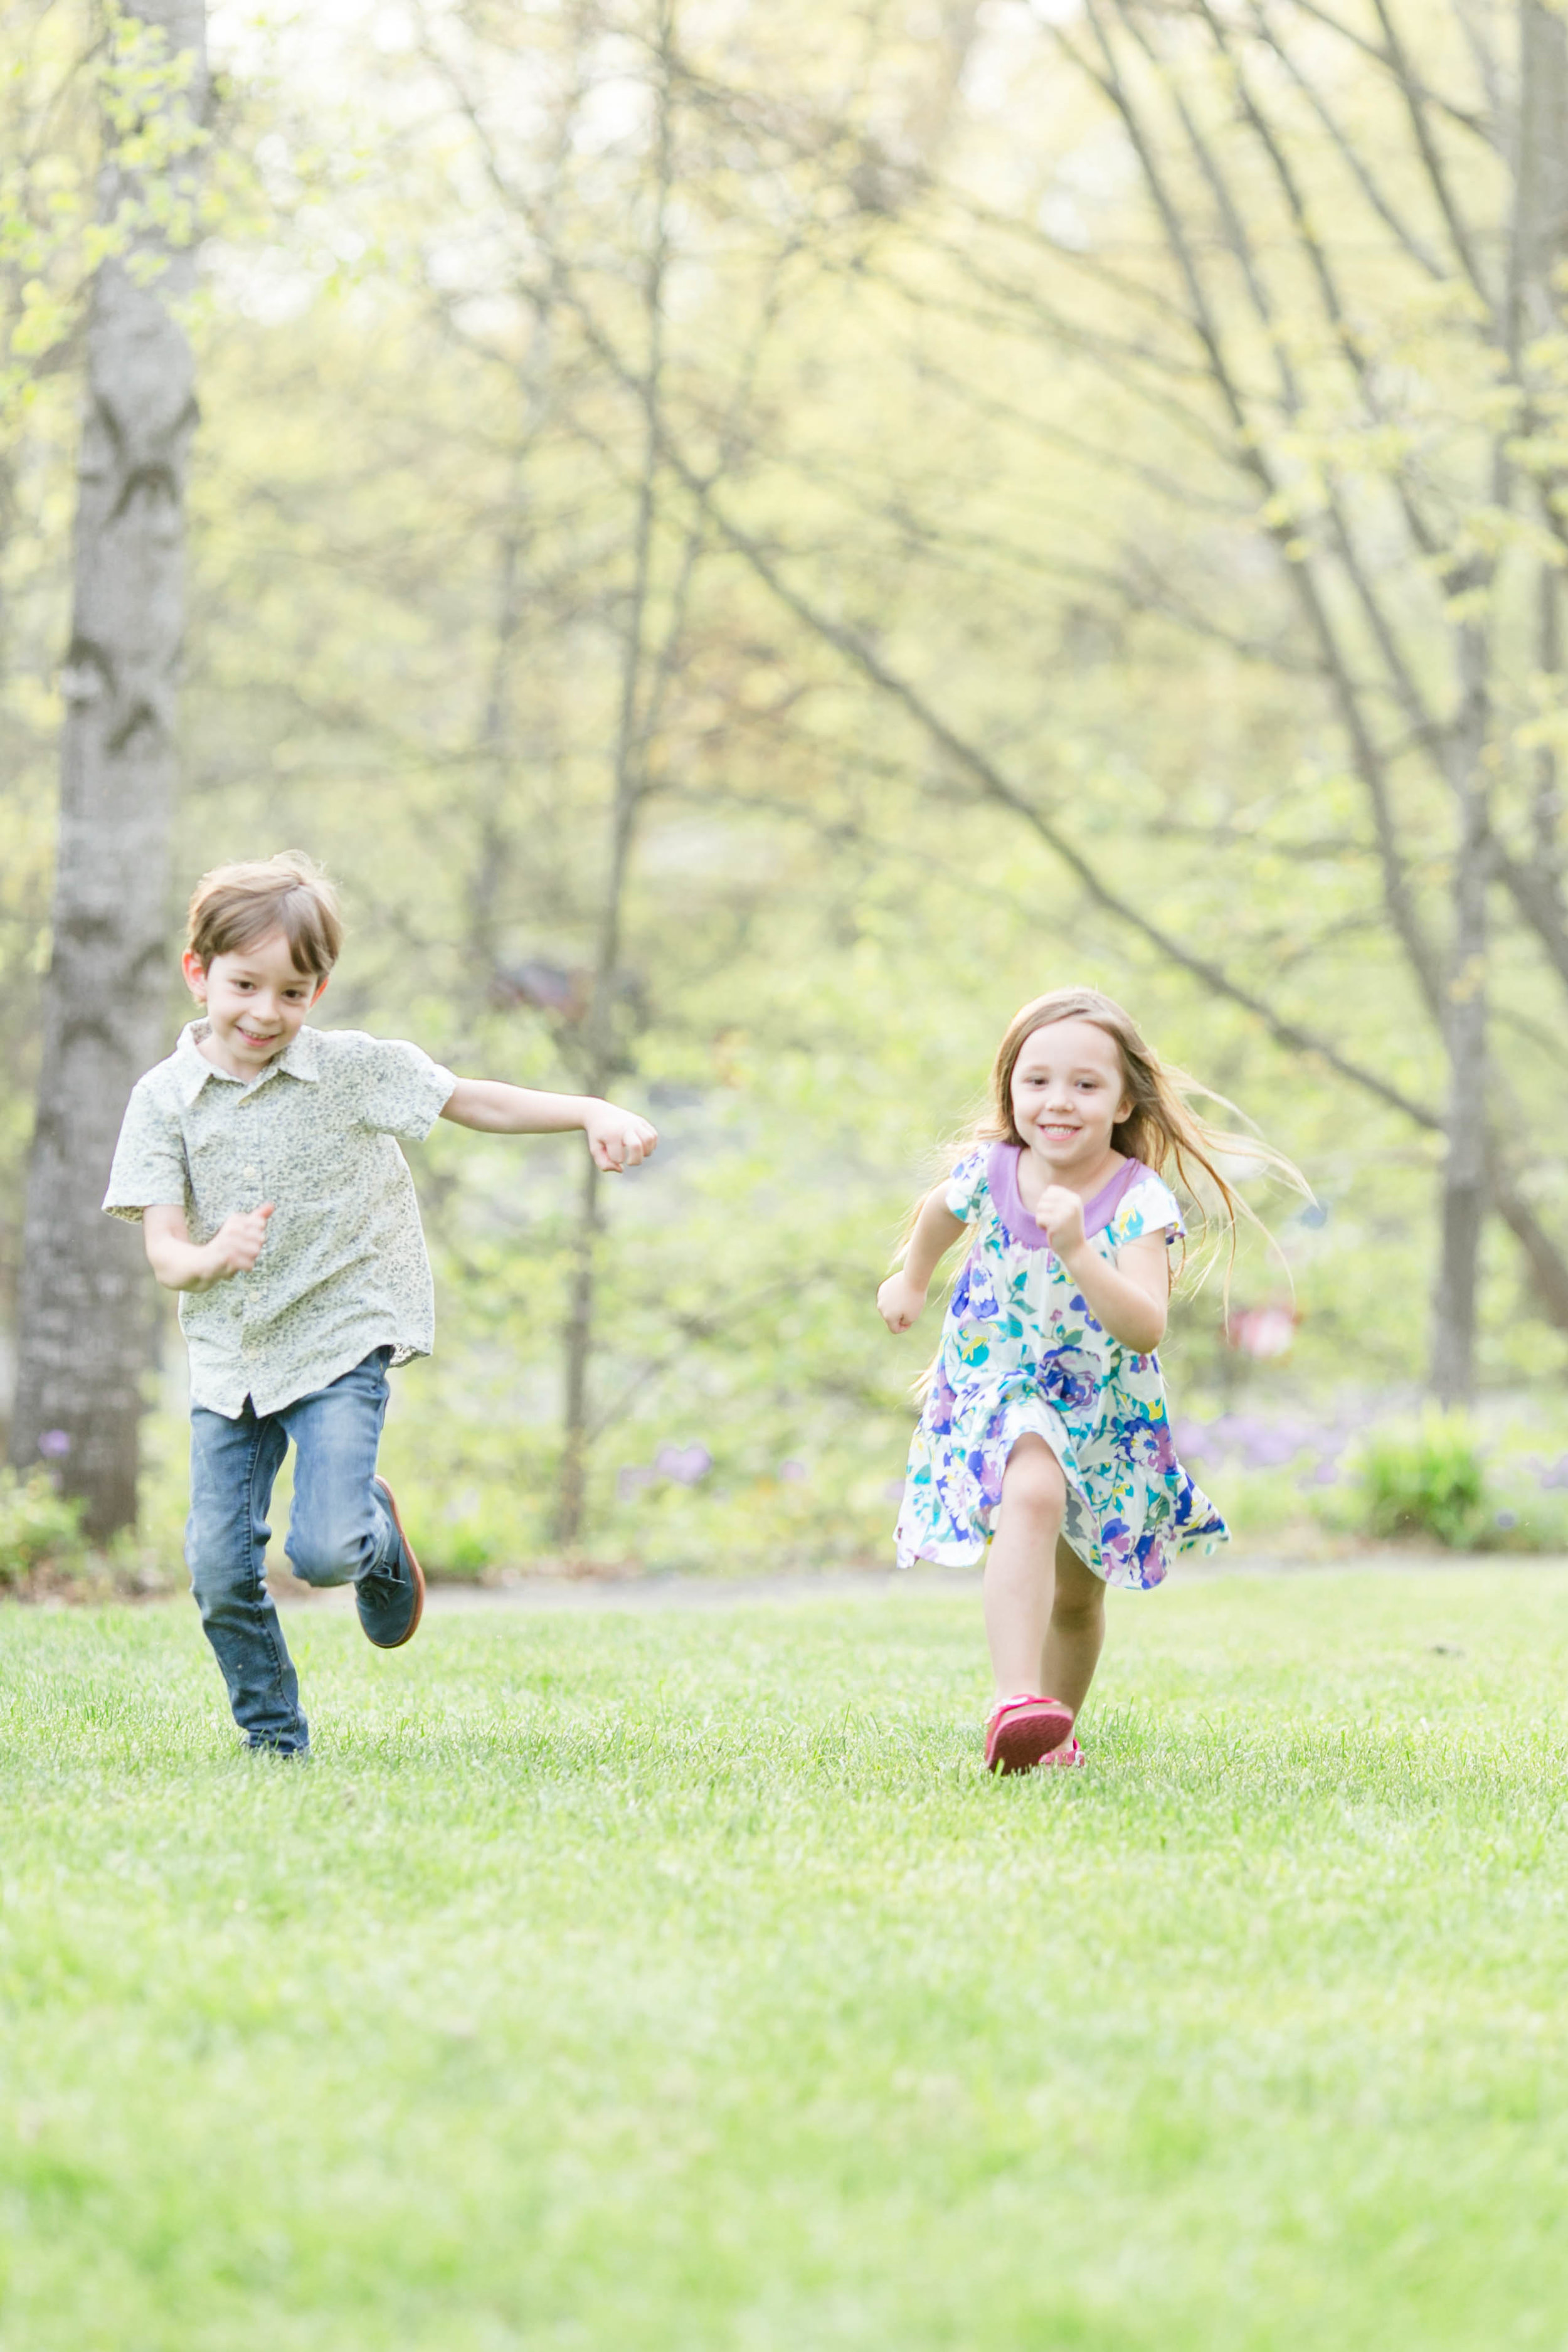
point(617, 1139)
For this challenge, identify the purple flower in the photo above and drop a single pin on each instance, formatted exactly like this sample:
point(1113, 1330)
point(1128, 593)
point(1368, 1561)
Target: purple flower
point(55, 1444)
point(1156, 1445)
point(1149, 1552)
point(794, 1474)
point(1259, 1443)
point(987, 1472)
point(939, 1409)
point(685, 1465)
point(1069, 1378)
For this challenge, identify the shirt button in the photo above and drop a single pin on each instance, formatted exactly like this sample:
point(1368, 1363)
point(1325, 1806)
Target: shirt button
point(251, 1175)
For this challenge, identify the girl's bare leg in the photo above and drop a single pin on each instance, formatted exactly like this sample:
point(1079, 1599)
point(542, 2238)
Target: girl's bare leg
point(1020, 1567)
point(1076, 1630)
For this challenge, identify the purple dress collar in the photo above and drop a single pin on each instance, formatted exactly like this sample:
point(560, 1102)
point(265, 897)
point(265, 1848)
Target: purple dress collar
point(1002, 1175)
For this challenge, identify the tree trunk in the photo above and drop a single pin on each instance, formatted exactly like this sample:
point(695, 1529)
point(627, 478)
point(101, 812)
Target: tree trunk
point(600, 1058)
point(571, 1493)
point(1540, 246)
point(1541, 167)
point(1539, 233)
point(1464, 1193)
point(1538, 241)
point(86, 1318)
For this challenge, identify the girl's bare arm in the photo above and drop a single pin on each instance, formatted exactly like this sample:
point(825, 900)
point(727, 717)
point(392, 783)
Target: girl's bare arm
point(1129, 1295)
point(903, 1295)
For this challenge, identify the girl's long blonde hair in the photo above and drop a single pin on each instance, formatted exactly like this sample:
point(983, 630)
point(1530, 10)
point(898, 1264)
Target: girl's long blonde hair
point(1160, 1129)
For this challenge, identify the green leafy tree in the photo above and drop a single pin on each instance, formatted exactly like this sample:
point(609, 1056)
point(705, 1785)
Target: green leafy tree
point(1339, 296)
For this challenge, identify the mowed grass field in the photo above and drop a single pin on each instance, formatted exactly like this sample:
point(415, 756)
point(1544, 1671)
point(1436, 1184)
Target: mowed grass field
point(666, 1981)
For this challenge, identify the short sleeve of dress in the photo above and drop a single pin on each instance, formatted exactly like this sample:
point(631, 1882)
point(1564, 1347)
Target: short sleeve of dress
point(1147, 1207)
point(404, 1090)
point(148, 1166)
point(966, 1187)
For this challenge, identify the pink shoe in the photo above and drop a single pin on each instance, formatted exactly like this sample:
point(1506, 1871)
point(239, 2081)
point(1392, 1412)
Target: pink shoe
point(1023, 1730)
point(1069, 1754)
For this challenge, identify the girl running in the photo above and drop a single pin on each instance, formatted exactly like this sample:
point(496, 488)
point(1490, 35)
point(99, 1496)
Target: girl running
point(1044, 1447)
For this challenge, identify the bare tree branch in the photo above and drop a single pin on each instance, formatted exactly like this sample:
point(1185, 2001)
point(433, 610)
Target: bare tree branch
point(1417, 99)
point(1397, 66)
point(1369, 763)
point(1350, 155)
point(996, 787)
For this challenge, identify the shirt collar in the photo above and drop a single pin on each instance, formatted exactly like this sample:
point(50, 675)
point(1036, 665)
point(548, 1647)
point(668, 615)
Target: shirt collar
point(298, 1058)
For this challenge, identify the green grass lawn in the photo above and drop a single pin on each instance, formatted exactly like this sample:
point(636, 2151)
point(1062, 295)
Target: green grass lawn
point(680, 1981)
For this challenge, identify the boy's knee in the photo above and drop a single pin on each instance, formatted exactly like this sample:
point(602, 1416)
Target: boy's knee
point(330, 1555)
point(217, 1569)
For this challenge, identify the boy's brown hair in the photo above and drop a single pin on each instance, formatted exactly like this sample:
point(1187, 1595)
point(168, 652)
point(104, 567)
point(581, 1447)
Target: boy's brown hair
point(235, 907)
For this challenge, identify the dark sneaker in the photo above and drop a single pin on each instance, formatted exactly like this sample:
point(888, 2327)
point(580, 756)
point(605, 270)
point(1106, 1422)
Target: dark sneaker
point(392, 1602)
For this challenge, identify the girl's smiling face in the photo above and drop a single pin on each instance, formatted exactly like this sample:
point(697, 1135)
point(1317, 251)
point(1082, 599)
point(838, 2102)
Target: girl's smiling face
point(1067, 1093)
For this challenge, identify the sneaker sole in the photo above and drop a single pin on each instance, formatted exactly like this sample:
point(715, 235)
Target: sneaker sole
point(414, 1571)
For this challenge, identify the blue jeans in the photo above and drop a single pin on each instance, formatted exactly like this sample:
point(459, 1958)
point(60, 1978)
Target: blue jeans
point(339, 1531)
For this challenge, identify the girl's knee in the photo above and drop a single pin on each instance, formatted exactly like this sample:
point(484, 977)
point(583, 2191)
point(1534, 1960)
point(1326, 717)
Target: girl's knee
point(1033, 1480)
point(1076, 1606)
point(1078, 1600)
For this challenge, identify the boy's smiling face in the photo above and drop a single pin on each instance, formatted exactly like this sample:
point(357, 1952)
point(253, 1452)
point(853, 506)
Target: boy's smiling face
point(256, 1003)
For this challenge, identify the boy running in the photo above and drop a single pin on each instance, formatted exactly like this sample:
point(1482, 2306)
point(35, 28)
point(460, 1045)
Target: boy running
point(261, 1159)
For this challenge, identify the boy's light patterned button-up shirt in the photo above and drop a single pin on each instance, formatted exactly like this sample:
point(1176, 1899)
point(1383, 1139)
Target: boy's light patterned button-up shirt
point(343, 1270)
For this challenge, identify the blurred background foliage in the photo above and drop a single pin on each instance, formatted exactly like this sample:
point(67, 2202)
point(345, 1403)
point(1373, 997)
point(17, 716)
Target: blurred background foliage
point(715, 500)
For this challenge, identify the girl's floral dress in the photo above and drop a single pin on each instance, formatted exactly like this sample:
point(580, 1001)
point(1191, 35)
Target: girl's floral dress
point(1021, 1353)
